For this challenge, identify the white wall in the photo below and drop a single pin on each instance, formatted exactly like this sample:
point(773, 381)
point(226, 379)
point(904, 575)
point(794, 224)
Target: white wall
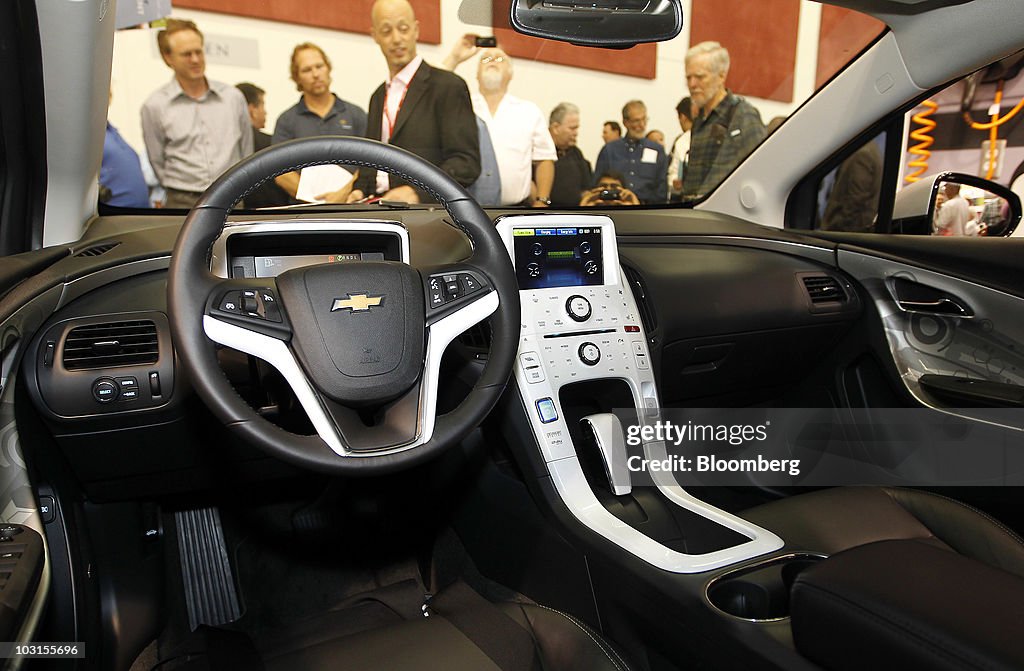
point(359, 68)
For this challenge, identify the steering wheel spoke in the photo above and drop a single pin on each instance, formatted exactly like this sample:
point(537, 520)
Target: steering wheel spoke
point(252, 304)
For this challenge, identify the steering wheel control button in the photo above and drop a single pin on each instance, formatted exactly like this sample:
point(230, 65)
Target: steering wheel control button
point(448, 288)
point(268, 302)
point(579, 308)
point(469, 283)
point(546, 410)
point(250, 303)
point(531, 366)
point(105, 390)
point(436, 291)
point(589, 353)
point(452, 289)
point(231, 302)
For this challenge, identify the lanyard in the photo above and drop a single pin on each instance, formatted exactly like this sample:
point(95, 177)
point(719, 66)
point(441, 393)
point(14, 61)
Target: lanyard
point(389, 122)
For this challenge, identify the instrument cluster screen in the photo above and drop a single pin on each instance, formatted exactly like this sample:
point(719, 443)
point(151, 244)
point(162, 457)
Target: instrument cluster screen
point(272, 266)
point(558, 257)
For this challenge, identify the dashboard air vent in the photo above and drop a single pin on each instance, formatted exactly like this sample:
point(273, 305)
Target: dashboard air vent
point(647, 316)
point(824, 289)
point(97, 250)
point(127, 343)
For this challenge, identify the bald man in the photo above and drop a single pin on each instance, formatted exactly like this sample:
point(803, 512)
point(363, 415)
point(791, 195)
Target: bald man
point(419, 108)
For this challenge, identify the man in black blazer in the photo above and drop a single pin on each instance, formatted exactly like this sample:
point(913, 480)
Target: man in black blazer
point(419, 108)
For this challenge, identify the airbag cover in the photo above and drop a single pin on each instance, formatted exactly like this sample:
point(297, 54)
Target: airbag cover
point(358, 329)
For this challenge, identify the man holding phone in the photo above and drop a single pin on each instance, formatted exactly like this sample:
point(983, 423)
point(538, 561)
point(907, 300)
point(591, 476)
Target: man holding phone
point(519, 131)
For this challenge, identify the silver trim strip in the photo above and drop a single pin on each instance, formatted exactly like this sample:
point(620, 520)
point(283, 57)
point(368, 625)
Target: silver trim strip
point(82, 285)
point(750, 568)
point(219, 258)
point(571, 484)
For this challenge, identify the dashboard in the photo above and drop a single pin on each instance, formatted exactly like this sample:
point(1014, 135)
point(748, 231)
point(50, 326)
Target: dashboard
point(607, 300)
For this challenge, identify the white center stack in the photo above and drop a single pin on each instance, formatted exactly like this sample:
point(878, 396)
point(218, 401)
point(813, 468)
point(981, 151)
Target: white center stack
point(580, 323)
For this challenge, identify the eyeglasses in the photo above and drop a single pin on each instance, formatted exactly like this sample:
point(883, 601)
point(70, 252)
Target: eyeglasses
point(492, 59)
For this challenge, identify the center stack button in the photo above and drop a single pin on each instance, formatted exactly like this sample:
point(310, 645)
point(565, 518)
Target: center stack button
point(578, 308)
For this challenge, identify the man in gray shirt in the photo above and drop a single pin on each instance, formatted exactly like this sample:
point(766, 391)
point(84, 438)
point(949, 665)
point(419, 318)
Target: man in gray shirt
point(194, 128)
point(318, 112)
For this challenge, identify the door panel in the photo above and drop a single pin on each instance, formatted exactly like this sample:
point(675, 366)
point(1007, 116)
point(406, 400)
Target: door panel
point(985, 345)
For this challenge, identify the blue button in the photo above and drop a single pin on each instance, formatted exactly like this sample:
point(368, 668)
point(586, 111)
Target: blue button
point(546, 410)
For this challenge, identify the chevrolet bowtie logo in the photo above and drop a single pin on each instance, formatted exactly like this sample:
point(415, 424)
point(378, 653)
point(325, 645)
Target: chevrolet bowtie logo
point(356, 302)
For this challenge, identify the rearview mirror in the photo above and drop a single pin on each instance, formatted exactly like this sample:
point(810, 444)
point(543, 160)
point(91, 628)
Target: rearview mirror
point(955, 204)
point(599, 23)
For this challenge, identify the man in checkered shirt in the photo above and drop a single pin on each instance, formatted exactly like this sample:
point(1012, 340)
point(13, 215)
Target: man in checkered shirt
point(726, 128)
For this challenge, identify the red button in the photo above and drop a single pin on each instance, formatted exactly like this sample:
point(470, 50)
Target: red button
point(632, 329)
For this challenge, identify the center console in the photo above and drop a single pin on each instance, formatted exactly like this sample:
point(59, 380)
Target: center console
point(582, 335)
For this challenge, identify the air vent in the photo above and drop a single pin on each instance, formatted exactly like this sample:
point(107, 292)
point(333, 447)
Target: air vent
point(824, 289)
point(128, 343)
point(636, 283)
point(97, 250)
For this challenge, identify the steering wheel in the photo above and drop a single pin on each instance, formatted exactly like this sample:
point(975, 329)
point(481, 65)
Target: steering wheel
point(352, 340)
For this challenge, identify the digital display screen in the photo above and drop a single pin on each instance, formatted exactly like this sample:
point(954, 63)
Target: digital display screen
point(272, 266)
point(558, 257)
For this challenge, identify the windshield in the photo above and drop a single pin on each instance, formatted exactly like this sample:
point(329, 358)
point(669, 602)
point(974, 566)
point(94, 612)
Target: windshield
point(519, 121)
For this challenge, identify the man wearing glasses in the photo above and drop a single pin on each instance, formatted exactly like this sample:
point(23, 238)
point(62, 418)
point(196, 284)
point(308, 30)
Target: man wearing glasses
point(642, 163)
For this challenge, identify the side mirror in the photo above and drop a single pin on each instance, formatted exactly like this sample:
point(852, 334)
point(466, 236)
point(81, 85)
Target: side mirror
point(617, 24)
point(955, 204)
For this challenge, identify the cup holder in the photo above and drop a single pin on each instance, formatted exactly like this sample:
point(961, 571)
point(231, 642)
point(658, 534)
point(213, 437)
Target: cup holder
point(760, 592)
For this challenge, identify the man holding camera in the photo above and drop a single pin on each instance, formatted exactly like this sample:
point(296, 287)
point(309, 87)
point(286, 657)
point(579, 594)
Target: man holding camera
point(524, 149)
point(609, 191)
point(726, 127)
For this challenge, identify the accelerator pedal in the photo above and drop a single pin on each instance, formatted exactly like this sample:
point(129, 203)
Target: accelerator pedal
point(210, 594)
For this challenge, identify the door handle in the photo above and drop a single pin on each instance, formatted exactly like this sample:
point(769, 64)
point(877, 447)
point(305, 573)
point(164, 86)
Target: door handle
point(945, 306)
point(913, 296)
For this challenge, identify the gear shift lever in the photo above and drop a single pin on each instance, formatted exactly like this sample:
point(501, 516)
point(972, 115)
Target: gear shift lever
point(612, 445)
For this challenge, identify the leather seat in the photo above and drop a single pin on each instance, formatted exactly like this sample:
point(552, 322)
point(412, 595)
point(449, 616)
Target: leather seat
point(461, 632)
point(831, 520)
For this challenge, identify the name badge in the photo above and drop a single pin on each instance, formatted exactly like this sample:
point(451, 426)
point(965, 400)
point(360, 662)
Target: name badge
point(649, 156)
